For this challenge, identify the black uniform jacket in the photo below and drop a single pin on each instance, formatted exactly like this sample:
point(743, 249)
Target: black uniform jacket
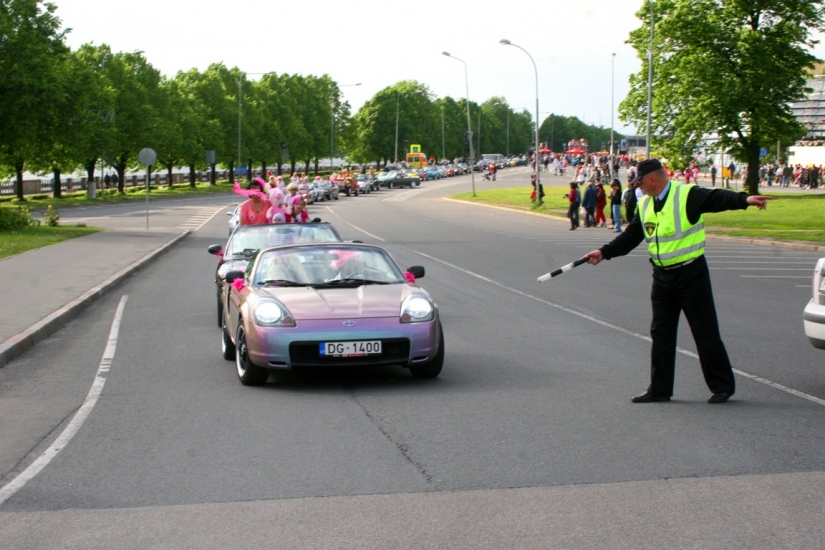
point(699, 201)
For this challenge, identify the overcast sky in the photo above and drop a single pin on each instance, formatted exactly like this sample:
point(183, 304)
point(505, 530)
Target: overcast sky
point(378, 43)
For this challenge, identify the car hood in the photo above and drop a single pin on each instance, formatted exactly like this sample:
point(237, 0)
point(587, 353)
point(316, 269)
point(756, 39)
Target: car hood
point(343, 303)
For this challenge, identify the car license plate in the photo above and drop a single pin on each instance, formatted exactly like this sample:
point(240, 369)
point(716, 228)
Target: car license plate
point(349, 349)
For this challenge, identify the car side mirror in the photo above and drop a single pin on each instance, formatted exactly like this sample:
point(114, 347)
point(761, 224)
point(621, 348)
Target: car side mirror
point(215, 249)
point(417, 271)
point(232, 275)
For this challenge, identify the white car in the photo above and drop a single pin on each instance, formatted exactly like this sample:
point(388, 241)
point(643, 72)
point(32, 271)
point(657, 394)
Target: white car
point(814, 314)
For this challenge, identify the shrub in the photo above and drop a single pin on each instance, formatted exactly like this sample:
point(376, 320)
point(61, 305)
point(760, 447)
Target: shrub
point(16, 218)
point(39, 197)
point(52, 217)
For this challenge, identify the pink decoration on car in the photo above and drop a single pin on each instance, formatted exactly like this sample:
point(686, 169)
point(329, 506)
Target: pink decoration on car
point(238, 284)
point(410, 277)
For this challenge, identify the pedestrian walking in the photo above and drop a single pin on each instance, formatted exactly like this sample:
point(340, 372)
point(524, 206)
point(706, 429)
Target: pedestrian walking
point(574, 204)
point(601, 202)
point(713, 176)
point(630, 202)
point(616, 204)
point(669, 219)
point(589, 205)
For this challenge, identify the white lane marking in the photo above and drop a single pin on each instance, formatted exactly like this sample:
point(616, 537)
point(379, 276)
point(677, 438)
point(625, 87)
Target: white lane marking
point(80, 416)
point(365, 232)
point(762, 268)
point(776, 276)
point(619, 329)
point(218, 211)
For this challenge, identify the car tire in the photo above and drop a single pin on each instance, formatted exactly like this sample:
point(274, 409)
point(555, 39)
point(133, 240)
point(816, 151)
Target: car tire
point(336, 197)
point(356, 192)
point(412, 184)
point(390, 186)
point(431, 368)
point(248, 374)
point(348, 192)
point(227, 345)
point(220, 312)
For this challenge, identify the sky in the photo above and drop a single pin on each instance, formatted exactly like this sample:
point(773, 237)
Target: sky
point(380, 42)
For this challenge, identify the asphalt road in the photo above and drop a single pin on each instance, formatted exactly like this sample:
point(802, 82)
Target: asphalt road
point(528, 439)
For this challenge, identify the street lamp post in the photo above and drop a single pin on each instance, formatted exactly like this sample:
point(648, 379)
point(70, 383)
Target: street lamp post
point(506, 42)
point(469, 128)
point(332, 124)
point(650, 80)
point(443, 141)
point(612, 73)
point(240, 96)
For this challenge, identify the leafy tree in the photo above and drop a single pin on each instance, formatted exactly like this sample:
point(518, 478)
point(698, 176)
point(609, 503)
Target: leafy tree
point(32, 58)
point(557, 130)
point(728, 68)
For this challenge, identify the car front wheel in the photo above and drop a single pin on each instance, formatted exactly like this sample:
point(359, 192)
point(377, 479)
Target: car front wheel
point(248, 374)
point(431, 368)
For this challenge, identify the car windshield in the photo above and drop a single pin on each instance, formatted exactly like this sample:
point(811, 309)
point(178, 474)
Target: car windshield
point(326, 266)
point(249, 239)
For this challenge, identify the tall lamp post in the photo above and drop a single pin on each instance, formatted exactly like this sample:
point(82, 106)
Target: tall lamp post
point(397, 104)
point(469, 127)
point(443, 141)
point(650, 80)
point(332, 124)
point(612, 73)
point(506, 42)
point(240, 96)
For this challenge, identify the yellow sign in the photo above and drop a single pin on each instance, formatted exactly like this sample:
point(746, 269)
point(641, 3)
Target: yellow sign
point(725, 172)
point(415, 148)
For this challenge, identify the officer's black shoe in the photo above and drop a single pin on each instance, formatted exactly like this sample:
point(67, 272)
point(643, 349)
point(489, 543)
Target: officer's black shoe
point(720, 397)
point(648, 397)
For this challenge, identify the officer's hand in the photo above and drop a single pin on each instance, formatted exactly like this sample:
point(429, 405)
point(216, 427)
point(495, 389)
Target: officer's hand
point(759, 200)
point(594, 257)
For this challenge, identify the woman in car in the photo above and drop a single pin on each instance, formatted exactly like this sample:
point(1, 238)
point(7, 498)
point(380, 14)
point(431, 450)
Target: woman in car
point(299, 213)
point(253, 211)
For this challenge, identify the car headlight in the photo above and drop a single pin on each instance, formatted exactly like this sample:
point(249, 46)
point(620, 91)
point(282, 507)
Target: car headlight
point(271, 314)
point(416, 309)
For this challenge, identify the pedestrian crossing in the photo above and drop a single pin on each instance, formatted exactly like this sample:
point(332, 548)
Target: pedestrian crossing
point(198, 216)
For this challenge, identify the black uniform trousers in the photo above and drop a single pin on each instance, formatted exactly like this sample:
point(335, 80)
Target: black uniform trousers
point(687, 289)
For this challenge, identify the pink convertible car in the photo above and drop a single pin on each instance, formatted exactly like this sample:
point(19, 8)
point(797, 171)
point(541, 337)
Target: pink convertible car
point(328, 304)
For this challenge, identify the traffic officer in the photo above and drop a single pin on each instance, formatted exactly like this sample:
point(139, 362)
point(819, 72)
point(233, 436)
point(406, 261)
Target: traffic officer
point(669, 219)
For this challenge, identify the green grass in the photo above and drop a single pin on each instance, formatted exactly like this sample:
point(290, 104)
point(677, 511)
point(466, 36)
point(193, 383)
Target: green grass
point(20, 240)
point(137, 192)
point(787, 218)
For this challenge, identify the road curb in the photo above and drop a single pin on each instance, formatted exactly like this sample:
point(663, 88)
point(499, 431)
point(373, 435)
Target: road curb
point(20, 343)
point(708, 236)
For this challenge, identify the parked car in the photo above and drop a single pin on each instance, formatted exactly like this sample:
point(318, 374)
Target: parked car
point(464, 167)
point(813, 316)
point(328, 305)
point(318, 194)
point(433, 172)
point(247, 240)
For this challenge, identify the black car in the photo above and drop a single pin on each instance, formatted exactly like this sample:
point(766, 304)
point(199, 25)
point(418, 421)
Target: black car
point(245, 242)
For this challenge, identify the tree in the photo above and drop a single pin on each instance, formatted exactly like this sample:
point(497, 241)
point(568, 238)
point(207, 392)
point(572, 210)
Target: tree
point(32, 52)
point(727, 68)
point(557, 130)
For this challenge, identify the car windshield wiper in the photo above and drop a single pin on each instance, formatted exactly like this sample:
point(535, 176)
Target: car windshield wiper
point(356, 281)
point(247, 252)
point(281, 282)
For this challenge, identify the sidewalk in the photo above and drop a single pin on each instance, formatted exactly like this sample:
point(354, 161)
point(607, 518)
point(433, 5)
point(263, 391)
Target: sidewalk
point(49, 286)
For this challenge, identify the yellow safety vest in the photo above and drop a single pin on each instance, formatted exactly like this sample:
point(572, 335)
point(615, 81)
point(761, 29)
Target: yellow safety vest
point(671, 238)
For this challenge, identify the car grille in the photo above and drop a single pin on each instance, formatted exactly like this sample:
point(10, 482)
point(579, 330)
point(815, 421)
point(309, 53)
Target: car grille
point(392, 350)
